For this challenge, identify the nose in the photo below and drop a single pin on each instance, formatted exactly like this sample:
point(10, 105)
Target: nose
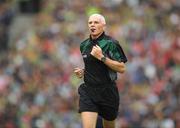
point(92, 24)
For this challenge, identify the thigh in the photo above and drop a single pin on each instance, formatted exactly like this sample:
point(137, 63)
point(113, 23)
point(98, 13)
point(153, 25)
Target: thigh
point(110, 96)
point(108, 113)
point(89, 119)
point(108, 124)
point(85, 102)
point(109, 106)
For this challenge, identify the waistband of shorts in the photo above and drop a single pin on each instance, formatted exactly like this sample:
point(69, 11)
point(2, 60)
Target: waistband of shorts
point(100, 84)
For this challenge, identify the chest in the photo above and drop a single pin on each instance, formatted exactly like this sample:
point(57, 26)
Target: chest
point(86, 53)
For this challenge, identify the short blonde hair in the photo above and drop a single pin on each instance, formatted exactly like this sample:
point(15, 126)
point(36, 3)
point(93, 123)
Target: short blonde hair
point(101, 17)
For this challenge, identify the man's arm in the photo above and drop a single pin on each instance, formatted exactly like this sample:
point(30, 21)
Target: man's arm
point(114, 65)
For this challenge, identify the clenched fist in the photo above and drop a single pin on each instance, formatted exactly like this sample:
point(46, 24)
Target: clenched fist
point(97, 52)
point(79, 72)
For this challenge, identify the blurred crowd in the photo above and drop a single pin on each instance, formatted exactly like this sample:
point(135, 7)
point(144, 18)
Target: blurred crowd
point(38, 88)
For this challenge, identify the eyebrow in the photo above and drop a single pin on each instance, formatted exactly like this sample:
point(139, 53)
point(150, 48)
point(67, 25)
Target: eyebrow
point(96, 21)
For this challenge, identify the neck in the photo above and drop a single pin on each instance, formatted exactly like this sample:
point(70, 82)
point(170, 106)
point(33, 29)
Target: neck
point(96, 36)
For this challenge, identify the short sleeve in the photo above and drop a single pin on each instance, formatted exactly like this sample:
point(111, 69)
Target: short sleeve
point(116, 52)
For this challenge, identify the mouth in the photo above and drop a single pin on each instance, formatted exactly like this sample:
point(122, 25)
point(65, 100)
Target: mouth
point(92, 29)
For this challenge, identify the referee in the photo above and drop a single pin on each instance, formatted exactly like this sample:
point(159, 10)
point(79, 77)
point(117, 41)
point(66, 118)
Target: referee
point(103, 58)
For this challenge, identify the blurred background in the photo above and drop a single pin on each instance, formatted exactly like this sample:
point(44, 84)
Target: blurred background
point(39, 47)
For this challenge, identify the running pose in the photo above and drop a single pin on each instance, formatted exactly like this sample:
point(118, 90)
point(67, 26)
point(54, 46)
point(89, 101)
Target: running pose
point(103, 58)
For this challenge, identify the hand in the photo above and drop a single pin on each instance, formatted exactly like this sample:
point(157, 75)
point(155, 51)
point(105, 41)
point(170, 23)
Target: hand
point(79, 72)
point(97, 52)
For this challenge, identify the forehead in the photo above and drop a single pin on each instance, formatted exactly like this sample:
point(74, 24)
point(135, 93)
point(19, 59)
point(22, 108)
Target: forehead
point(94, 18)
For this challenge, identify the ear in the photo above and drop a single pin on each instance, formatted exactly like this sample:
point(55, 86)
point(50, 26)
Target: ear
point(104, 27)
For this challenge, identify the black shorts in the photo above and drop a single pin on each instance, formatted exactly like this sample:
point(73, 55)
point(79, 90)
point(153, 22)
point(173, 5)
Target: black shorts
point(104, 100)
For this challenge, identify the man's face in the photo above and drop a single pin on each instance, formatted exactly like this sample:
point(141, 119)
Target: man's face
point(95, 25)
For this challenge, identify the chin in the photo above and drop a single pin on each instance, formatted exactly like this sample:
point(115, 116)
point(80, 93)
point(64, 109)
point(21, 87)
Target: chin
point(94, 34)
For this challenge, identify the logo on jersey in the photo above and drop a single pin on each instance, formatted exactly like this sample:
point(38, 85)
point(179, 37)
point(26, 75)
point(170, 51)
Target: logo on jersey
point(84, 56)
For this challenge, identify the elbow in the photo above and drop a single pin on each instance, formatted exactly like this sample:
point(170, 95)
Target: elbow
point(122, 69)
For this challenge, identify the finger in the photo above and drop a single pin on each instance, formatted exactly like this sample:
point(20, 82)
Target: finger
point(94, 48)
point(76, 69)
point(97, 46)
point(81, 72)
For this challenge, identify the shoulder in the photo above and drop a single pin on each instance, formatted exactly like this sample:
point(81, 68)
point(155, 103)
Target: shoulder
point(84, 42)
point(112, 41)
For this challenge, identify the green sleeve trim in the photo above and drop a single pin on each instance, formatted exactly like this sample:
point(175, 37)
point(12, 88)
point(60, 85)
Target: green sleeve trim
point(116, 52)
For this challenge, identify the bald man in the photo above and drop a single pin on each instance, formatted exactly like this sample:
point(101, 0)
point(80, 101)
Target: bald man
point(103, 58)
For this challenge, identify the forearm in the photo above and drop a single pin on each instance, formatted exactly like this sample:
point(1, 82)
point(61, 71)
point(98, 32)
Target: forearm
point(115, 65)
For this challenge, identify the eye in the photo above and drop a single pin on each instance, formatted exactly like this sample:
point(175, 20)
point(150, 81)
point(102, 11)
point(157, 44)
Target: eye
point(90, 22)
point(96, 22)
